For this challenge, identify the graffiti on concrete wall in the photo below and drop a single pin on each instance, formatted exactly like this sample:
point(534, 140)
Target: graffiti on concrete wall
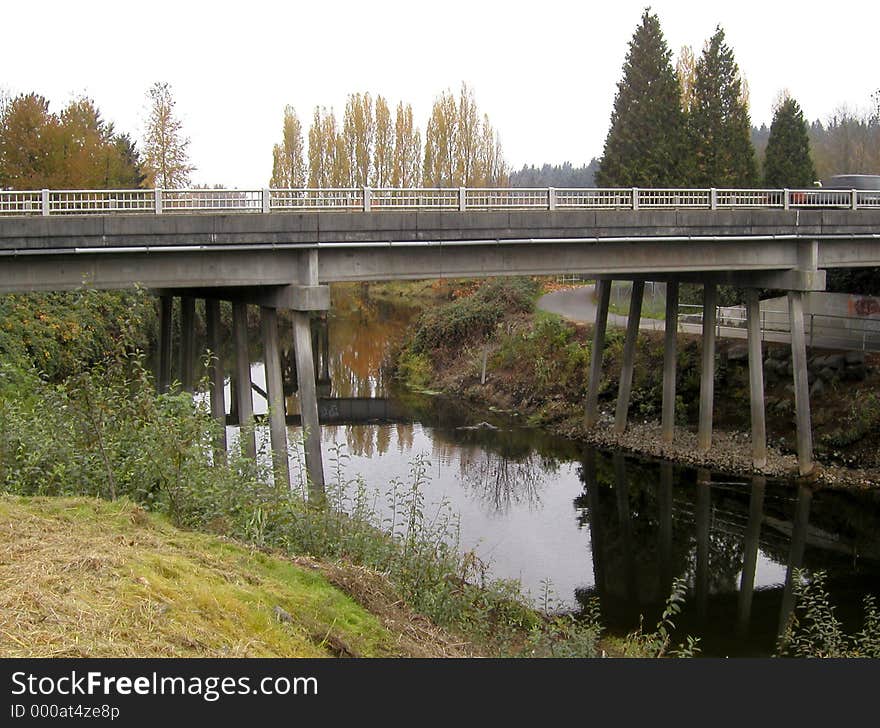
point(863, 306)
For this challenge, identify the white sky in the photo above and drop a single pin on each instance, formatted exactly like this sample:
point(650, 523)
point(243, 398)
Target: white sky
point(545, 72)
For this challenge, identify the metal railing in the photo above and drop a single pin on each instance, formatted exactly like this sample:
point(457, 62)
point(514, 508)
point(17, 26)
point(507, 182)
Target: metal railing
point(834, 331)
point(158, 201)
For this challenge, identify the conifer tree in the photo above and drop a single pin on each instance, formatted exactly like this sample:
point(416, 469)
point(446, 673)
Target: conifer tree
point(787, 162)
point(718, 123)
point(645, 146)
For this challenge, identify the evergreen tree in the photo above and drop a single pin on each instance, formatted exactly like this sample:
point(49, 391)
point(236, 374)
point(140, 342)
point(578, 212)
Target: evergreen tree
point(718, 123)
point(645, 146)
point(787, 162)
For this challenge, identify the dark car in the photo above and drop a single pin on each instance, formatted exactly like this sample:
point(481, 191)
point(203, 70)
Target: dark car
point(836, 191)
point(853, 182)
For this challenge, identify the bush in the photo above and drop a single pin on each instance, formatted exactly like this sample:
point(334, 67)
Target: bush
point(472, 318)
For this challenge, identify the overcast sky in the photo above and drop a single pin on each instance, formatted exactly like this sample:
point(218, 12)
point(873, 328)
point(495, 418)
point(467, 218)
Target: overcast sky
point(545, 72)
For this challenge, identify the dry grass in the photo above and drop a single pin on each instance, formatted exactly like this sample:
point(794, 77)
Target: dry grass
point(81, 577)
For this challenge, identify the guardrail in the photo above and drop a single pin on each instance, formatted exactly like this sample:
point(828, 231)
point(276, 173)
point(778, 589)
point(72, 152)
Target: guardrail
point(821, 329)
point(158, 201)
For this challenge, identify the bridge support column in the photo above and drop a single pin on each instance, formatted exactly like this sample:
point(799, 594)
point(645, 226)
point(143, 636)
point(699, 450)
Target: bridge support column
point(801, 382)
point(243, 390)
point(756, 379)
point(187, 342)
point(163, 373)
point(669, 362)
point(308, 402)
point(603, 295)
point(216, 375)
point(275, 390)
point(629, 356)
point(707, 372)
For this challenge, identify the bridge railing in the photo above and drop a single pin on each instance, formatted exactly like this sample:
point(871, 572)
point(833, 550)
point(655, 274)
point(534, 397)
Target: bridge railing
point(159, 201)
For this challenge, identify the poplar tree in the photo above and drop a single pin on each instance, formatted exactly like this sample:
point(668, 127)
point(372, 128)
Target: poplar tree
point(787, 161)
point(719, 129)
point(288, 165)
point(383, 145)
point(407, 167)
point(328, 161)
point(645, 146)
point(440, 141)
point(359, 131)
point(166, 156)
point(461, 147)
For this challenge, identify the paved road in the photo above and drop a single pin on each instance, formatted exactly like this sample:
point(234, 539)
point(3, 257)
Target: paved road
point(579, 304)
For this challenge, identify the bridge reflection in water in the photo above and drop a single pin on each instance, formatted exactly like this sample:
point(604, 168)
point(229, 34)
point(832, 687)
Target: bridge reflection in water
point(650, 522)
point(595, 524)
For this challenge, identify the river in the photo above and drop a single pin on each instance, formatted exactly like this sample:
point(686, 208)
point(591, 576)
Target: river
point(574, 524)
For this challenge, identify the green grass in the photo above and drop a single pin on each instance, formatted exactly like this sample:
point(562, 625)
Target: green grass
point(87, 577)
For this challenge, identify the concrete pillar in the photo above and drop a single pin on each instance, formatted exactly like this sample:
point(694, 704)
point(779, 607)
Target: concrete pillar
point(707, 372)
point(750, 553)
point(801, 382)
point(187, 342)
point(669, 361)
point(216, 376)
point(629, 356)
point(603, 295)
point(756, 379)
point(243, 391)
point(308, 402)
point(163, 374)
point(275, 391)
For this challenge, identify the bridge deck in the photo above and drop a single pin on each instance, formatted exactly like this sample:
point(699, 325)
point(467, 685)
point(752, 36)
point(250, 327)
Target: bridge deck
point(227, 249)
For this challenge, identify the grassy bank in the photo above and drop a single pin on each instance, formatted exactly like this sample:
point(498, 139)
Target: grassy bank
point(83, 577)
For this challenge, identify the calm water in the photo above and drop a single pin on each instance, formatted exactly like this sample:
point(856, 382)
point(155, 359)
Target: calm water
point(583, 524)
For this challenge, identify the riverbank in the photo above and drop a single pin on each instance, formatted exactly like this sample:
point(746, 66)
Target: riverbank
point(495, 351)
point(83, 577)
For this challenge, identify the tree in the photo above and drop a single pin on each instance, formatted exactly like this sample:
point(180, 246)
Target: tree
point(166, 158)
point(718, 124)
point(787, 161)
point(685, 69)
point(383, 145)
point(461, 147)
point(645, 142)
point(359, 130)
point(75, 150)
point(407, 167)
point(288, 165)
point(328, 155)
point(440, 141)
point(30, 144)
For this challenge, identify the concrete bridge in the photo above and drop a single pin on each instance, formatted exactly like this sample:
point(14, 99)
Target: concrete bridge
point(279, 249)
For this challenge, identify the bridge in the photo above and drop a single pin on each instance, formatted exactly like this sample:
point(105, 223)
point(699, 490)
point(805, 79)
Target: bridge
point(279, 249)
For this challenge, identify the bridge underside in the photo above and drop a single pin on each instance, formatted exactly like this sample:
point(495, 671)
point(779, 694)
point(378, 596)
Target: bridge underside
point(286, 260)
